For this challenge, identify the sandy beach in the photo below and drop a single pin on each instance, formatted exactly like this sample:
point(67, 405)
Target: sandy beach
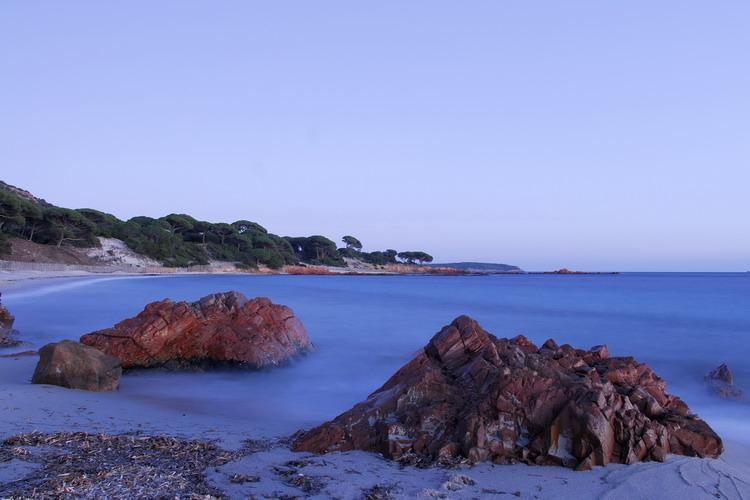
point(26, 408)
point(26, 274)
point(19, 279)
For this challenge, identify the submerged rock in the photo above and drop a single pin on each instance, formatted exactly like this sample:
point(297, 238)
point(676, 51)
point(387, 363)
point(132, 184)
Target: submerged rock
point(76, 366)
point(471, 396)
point(721, 383)
point(223, 328)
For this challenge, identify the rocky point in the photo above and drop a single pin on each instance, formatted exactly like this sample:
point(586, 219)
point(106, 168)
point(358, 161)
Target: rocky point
point(469, 396)
point(222, 328)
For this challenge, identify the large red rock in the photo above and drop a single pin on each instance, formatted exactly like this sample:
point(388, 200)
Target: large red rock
point(470, 396)
point(223, 328)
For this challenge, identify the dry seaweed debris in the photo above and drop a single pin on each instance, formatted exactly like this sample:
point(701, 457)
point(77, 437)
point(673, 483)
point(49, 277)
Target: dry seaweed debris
point(291, 476)
point(380, 492)
point(81, 465)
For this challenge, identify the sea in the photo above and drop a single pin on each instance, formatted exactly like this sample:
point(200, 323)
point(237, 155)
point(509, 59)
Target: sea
point(365, 327)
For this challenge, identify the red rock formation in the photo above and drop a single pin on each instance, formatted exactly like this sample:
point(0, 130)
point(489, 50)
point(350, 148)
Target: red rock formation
point(76, 366)
point(219, 328)
point(469, 395)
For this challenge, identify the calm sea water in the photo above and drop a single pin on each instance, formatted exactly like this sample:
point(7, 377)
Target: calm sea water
point(365, 328)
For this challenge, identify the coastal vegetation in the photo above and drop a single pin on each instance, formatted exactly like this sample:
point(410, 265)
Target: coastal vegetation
point(415, 257)
point(178, 240)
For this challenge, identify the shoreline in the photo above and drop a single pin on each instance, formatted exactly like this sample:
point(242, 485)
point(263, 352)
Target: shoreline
point(18, 280)
point(46, 422)
point(14, 278)
point(15, 272)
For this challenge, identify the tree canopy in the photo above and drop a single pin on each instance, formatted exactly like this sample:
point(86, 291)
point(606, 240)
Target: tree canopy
point(64, 224)
point(16, 212)
point(352, 243)
point(380, 258)
point(316, 250)
point(415, 257)
point(177, 239)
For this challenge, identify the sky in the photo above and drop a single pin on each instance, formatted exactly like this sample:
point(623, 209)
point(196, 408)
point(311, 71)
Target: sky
point(586, 134)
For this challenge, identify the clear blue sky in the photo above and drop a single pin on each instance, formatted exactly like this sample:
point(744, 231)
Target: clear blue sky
point(593, 135)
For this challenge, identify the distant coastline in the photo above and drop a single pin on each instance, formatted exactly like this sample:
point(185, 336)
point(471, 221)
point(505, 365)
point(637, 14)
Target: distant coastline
point(49, 238)
point(39, 238)
point(482, 267)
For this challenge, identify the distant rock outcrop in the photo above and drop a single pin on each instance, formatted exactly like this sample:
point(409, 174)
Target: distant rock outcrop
point(471, 396)
point(76, 366)
point(721, 382)
point(223, 328)
point(564, 270)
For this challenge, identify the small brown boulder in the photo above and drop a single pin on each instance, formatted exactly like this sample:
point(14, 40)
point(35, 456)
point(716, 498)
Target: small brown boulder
point(77, 366)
